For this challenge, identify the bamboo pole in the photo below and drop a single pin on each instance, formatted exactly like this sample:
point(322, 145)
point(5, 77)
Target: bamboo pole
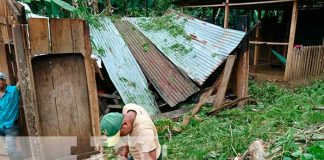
point(291, 39)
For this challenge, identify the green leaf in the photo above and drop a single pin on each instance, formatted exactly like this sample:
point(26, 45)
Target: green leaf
point(286, 158)
point(64, 5)
point(307, 156)
point(27, 1)
point(297, 154)
point(317, 151)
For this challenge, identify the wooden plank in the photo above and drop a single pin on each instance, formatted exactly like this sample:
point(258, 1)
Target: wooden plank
point(61, 36)
point(4, 61)
point(303, 51)
point(236, 101)
point(257, 47)
point(72, 100)
point(293, 25)
point(241, 76)
point(77, 36)
point(238, 4)
point(320, 67)
point(308, 62)
point(314, 59)
point(46, 103)
point(224, 82)
point(25, 78)
point(268, 43)
point(203, 99)
point(260, 3)
point(226, 14)
point(298, 61)
point(39, 36)
point(92, 88)
point(318, 62)
point(294, 65)
point(83, 105)
point(4, 34)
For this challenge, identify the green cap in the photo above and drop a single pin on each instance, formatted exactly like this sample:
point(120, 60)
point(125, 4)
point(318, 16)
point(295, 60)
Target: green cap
point(110, 123)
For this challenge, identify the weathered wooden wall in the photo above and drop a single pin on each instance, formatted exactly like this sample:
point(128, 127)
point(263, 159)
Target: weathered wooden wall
point(13, 11)
point(62, 100)
point(305, 61)
point(6, 53)
point(58, 85)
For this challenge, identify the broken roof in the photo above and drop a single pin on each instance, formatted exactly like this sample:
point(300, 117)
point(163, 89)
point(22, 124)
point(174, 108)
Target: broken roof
point(209, 47)
point(167, 80)
point(121, 66)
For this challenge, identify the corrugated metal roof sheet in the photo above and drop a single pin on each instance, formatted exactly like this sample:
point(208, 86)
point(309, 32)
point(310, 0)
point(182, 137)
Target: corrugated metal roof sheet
point(168, 81)
point(210, 45)
point(121, 66)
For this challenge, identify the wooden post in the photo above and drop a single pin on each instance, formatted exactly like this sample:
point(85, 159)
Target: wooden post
point(92, 87)
point(25, 78)
point(291, 40)
point(226, 14)
point(257, 47)
point(242, 76)
point(224, 82)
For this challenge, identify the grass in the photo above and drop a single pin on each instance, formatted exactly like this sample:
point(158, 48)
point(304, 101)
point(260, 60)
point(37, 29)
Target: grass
point(277, 117)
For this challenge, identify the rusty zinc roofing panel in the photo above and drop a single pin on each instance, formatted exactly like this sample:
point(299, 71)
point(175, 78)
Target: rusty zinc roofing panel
point(172, 85)
point(209, 47)
point(122, 67)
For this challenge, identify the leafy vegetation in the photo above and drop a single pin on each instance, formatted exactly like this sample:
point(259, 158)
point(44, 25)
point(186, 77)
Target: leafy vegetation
point(146, 47)
point(276, 119)
point(165, 22)
point(180, 48)
point(128, 82)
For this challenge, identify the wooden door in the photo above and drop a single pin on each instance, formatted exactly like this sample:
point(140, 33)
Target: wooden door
point(63, 104)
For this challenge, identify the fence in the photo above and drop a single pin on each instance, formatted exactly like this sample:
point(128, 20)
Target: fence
point(305, 61)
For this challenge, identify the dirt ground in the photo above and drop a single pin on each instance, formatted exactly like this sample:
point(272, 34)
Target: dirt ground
point(267, 73)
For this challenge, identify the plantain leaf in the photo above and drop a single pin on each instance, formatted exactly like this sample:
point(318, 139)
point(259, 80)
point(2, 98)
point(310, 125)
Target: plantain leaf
point(64, 5)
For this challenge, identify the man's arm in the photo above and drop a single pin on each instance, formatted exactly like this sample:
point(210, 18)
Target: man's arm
point(18, 86)
point(123, 152)
point(150, 155)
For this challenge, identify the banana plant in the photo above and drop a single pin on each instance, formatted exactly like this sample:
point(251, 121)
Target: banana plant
point(52, 8)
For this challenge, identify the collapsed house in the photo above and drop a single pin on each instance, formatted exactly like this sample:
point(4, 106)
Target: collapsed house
point(176, 66)
point(51, 60)
point(286, 45)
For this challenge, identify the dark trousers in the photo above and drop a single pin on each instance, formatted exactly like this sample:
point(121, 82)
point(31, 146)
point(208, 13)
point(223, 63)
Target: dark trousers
point(9, 136)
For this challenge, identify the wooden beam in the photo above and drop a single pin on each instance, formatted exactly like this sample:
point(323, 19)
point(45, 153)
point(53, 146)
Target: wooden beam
point(25, 78)
point(92, 87)
point(242, 76)
point(268, 43)
point(236, 101)
point(204, 6)
point(238, 4)
point(292, 33)
point(226, 18)
point(257, 47)
point(224, 82)
point(259, 3)
point(203, 99)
